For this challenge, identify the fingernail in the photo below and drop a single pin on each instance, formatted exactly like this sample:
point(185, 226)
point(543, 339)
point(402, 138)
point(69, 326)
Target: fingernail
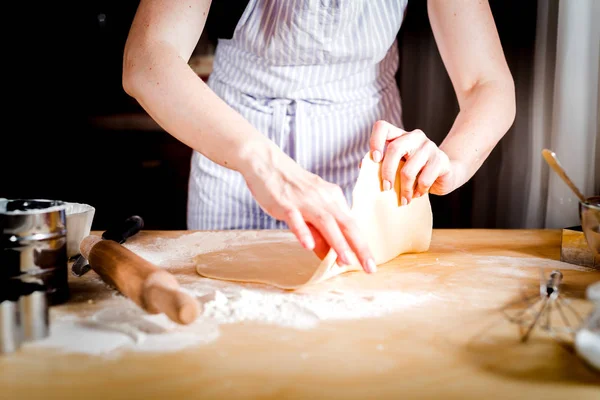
point(376, 156)
point(371, 267)
point(417, 195)
point(387, 185)
point(403, 201)
point(309, 242)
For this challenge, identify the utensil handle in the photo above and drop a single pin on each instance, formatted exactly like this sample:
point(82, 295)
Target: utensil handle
point(553, 162)
point(126, 229)
point(150, 287)
point(162, 294)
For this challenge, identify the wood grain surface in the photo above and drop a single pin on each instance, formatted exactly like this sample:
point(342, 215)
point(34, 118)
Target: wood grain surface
point(457, 345)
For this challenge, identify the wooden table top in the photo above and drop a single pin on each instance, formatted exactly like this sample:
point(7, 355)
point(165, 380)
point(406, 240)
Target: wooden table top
point(457, 345)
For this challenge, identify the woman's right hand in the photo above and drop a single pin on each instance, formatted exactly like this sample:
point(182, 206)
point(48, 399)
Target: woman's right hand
point(315, 210)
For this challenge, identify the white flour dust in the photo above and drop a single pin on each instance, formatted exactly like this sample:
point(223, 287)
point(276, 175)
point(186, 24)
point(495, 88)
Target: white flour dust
point(124, 327)
point(524, 262)
point(121, 325)
point(232, 303)
point(168, 252)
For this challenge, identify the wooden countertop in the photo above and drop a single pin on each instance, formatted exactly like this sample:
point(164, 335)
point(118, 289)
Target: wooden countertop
point(458, 345)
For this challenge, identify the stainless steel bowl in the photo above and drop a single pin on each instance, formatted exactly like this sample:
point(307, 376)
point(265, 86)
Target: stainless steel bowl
point(589, 214)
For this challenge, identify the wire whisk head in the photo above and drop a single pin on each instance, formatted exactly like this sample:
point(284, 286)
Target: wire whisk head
point(551, 310)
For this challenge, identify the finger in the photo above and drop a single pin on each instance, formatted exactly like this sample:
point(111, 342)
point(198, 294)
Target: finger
point(351, 231)
point(300, 229)
point(340, 210)
point(382, 132)
point(443, 184)
point(437, 167)
point(321, 246)
point(396, 150)
point(352, 234)
point(328, 227)
point(427, 177)
point(411, 168)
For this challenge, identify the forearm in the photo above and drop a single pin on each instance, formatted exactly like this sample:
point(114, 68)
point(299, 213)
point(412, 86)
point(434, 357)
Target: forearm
point(486, 114)
point(182, 104)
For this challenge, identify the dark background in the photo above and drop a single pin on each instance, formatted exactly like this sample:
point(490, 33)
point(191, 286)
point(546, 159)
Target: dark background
point(64, 138)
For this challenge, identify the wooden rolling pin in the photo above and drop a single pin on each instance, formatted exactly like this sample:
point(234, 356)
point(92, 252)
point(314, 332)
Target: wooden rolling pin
point(150, 287)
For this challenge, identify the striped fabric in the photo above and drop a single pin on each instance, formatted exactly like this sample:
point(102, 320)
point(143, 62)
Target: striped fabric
point(311, 75)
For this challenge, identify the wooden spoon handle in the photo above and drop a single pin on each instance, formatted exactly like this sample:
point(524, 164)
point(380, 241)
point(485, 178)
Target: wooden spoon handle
point(553, 162)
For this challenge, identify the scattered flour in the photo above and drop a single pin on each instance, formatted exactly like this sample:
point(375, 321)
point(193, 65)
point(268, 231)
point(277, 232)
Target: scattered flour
point(529, 262)
point(124, 327)
point(507, 272)
point(120, 325)
point(302, 311)
point(168, 252)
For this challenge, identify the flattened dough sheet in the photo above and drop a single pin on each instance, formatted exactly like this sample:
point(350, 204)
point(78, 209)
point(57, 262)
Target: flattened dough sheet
point(389, 228)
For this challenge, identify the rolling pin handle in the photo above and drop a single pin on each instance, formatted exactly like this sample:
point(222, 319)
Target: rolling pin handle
point(153, 289)
point(177, 305)
point(162, 295)
point(85, 247)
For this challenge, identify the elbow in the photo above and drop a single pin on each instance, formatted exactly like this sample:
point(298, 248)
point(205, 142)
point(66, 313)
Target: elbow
point(130, 78)
point(503, 100)
point(128, 81)
point(511, 100)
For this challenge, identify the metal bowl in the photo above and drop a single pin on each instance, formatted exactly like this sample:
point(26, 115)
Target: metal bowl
point(79, 224)
point(589, 214)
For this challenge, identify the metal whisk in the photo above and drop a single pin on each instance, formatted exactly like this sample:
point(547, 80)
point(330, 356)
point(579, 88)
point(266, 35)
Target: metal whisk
point(550, 309)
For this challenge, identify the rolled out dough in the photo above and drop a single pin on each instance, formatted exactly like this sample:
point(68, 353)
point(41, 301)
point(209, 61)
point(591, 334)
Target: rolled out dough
point(389, 228)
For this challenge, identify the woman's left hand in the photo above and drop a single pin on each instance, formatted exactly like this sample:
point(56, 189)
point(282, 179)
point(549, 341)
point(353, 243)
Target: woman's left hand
point(426, 167)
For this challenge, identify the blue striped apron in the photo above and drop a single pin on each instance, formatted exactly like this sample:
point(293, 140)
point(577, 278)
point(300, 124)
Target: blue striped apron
point(311, 75)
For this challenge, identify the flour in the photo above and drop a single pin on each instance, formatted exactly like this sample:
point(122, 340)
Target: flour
point(116, 324)
point(529, 262)
point(73, 336)
point(302, 311)
point(123, 326)
point(169, 252)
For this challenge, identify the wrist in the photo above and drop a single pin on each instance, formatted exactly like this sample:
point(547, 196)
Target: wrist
point(257, 159)
point(459, 173)
point(457, 166)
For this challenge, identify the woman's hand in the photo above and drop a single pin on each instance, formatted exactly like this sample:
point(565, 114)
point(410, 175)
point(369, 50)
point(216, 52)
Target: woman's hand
point(426, 167)
point(315, 210)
